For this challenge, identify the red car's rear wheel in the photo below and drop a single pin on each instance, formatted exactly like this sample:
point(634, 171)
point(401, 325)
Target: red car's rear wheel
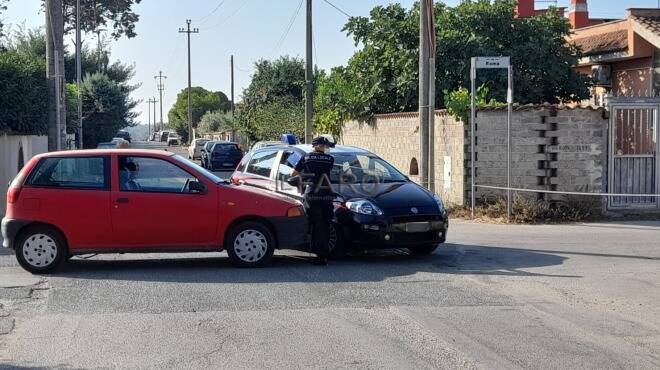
point(250, 244)
point(40, 249)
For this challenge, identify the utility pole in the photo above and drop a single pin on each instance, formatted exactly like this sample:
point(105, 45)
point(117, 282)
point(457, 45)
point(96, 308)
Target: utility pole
point(160, 86)
point(149, 121)
point(432, 43)
point(189, 31)
point(309, 83)
point(424, 93)
point(55, 74)
point(233, 136)
point(154, 101)
point(232, 86)
point(79, 75)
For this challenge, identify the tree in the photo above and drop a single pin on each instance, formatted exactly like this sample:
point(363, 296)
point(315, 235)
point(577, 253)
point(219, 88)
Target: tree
point(385, 69)
point(23, 108)
point(273, 102)
point(267, 121)
point(26, 76)
point(272, 79)
point(71, 96)
point(107, 108)
point(96, 14)
point(458, 102)
point(336, 101)
point(3, 7)
point(202, 101)
point(216, 121)
point(32, 42)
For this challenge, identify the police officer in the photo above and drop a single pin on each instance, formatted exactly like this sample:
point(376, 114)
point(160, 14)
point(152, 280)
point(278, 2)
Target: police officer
point(314, 169)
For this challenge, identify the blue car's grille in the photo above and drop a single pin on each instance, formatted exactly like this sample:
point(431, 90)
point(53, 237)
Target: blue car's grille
point(415, 218)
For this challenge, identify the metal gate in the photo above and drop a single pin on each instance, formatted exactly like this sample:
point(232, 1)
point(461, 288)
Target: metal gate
point(633, 155)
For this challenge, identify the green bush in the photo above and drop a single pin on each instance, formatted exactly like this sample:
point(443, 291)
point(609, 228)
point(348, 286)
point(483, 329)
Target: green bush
point(459, 102)
point(107, 108)
point(267, 121)
point(23, 96)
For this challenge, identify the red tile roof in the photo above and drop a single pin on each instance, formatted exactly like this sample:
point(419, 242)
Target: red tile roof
point(604, 43)
point(650, 23)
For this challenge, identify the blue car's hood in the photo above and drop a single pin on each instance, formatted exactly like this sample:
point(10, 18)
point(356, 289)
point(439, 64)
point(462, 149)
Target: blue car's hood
point(388, 195)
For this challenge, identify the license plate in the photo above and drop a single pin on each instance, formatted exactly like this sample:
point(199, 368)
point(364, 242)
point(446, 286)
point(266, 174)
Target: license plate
point(227, 164)
point(418, 227)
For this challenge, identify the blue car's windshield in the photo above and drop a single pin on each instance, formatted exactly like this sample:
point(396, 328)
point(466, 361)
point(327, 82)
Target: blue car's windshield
point(360, 168)
point(200, 169)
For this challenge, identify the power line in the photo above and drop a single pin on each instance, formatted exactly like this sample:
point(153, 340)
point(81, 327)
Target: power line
point(228, 18)
point(203, 19)
point(288, 28)
point(338, 8)
point(316, 57)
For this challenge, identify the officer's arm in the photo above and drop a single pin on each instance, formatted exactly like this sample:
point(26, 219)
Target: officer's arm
point(299, 167)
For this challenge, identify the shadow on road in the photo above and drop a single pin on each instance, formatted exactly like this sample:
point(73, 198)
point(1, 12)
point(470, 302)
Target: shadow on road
point(372, 266)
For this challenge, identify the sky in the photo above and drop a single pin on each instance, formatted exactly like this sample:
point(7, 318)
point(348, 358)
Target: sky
point(248, 29)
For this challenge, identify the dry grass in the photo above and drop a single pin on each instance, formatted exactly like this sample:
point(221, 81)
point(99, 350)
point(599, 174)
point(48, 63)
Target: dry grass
point(525, 211)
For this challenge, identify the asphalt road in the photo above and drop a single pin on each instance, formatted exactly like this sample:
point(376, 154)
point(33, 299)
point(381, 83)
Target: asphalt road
point(495, 296)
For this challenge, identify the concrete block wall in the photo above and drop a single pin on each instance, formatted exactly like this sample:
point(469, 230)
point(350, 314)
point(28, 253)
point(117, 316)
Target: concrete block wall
point(395, 138)
point(553, 148)
point(559, 149)
point(450, 158)
point(10, 145)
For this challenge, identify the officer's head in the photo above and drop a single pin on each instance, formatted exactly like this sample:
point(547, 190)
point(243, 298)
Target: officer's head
point(321, 144)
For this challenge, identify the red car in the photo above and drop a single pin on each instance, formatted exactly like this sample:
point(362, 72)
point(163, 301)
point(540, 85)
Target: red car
point(120, 200)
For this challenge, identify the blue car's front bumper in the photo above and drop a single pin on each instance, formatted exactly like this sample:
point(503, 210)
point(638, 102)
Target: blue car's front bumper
point(392, 231)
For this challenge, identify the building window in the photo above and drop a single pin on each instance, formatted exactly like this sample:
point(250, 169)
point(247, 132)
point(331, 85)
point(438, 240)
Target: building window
point(414, 167)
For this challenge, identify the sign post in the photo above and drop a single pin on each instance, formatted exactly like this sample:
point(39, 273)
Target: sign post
point(490, 63)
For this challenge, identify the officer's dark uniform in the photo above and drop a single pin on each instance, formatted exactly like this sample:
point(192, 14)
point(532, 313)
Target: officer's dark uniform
point(315, 170)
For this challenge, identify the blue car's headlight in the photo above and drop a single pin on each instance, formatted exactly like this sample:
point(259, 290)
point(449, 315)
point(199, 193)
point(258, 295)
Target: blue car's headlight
point(438, 200)
point(364, 207)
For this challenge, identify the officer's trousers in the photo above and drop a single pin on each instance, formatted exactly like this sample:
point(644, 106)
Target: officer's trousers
point(319, 212)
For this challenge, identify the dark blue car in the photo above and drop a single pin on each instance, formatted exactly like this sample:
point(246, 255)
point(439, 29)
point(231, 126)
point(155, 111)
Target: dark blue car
point(376, 205)
point(224, 155)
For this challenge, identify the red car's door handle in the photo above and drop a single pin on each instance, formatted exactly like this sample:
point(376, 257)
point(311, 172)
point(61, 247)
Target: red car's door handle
point(122, 200)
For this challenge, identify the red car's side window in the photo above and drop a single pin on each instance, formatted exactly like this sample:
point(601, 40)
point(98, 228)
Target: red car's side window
point(71, 173)
point(145, 174)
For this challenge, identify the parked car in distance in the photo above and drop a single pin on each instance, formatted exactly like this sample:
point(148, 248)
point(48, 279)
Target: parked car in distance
point(173, 139)
point(115, 143)
point(195, 148)
point(263, 144)
point(124, 135)
point(163, 136)
point(224, 155)
point(376, 205)
point(206, 154)
point(121, 201)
